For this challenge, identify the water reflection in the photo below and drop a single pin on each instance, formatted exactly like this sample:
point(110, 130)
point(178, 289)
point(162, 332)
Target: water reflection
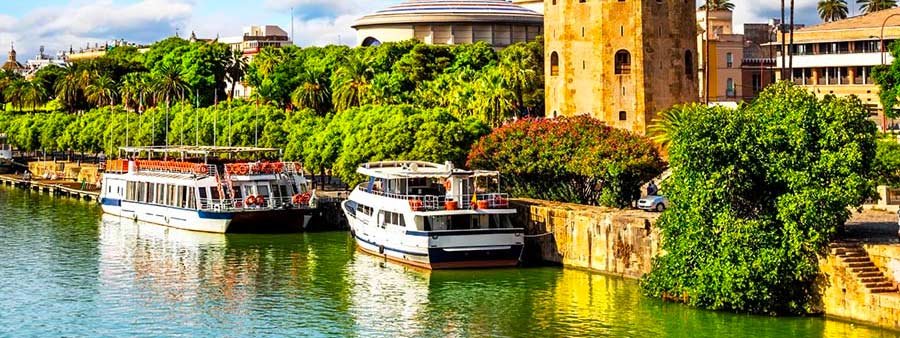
point(69, 275)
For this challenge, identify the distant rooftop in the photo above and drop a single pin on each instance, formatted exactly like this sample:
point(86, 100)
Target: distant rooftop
point(873, 20)
point(416, 11)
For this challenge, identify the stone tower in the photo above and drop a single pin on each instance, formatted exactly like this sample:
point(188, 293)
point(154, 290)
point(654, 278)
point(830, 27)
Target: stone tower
point(11, 64)
point(621, 61)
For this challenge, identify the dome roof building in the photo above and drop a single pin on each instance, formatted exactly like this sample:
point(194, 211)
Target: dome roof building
point(451, 22)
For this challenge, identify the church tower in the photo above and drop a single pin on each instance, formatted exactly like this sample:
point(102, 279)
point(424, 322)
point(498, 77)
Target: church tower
point(11, 63)
point(620, 61)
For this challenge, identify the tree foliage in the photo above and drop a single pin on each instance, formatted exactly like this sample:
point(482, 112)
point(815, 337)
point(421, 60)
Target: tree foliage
point(757, 193)
point(578, 159)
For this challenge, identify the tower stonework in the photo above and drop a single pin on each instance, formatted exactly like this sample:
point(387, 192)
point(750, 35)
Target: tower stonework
point(620, 61)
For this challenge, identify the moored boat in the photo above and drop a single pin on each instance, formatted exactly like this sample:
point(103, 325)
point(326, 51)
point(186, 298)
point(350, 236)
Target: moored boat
point(211, 196)
point(433, 216)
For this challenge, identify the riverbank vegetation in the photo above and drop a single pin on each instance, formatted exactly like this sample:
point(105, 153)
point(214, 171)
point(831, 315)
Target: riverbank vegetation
point(757, 193)
point(472, 80)
point(575, 159)
point(336, 142)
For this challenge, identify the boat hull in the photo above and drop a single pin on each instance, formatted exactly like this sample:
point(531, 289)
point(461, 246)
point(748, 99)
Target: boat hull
point(292, 220)
point(441, 250)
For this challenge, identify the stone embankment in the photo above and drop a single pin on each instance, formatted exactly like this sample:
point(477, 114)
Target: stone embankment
point(860, 280)
point(612, 241)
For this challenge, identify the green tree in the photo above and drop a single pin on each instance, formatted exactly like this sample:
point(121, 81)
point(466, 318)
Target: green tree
point(871, 6)
point(762, 190)
point(102, 92)
point(353, 82)
point(494, 101)
point(314, 92)
point(235, 70)
point(719, 5)
point(832, 10)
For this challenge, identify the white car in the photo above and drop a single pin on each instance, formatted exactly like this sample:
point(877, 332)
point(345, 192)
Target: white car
point(653, 203)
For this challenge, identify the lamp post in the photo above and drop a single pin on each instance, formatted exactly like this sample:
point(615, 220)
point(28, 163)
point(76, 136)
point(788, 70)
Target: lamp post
point(881, 48)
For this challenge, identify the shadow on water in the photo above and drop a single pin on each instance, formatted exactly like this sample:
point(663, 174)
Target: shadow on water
point(71, 272)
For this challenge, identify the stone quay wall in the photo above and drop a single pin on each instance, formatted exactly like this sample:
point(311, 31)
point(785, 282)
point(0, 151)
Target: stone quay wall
point(612, 241)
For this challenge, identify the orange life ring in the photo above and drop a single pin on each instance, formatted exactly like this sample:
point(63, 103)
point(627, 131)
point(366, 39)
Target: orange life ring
point(448, 184)
point(242, 169)
point(201, 169)
point(238, 204)
point(250, 200)
point(260, 201)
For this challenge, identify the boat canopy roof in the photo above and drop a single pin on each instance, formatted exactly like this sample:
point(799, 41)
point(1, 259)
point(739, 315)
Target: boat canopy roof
point(198, 150)
point(417, 169)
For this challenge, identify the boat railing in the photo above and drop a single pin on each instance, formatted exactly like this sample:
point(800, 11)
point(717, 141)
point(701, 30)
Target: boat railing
point(447, 202)
point(263, 168)
point(233, 204)
point(174, 167)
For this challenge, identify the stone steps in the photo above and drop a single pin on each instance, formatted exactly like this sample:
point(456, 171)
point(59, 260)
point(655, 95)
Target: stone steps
point(855, 259)
point(884, 290)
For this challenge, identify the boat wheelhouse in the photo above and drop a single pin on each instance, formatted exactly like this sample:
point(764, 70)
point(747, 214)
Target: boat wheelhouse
point(433, 216)
point(201, 189)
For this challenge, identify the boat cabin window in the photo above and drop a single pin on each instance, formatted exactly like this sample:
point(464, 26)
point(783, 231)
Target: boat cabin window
point(203, 193)
point(365, 210)
point(393, 218)
point(263, 190)
point(215, 194)
point(284, 190)
point(466, 222)
point(238, 194)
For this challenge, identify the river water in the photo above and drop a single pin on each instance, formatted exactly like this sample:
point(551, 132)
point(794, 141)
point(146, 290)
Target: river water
point(68, 271)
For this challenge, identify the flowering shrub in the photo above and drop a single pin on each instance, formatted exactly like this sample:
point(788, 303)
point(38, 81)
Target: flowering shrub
point(576, 159)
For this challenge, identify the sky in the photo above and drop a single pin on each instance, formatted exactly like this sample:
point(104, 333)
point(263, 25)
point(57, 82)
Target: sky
point(58, 24)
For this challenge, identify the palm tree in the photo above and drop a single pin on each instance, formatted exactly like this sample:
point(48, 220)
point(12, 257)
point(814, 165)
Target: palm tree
point(131, 91)
point(268, 59)
point(832, 10)
point(235, 69)
point(871, 6)
point(519, 73)
point(719, 5)
point(667, 123)
point(313, 92)
point(14, 92)
point(102, 92)
point(169, 84)
point(70, 88)
point(353, 82)
point(34, 94)
point(494, 101)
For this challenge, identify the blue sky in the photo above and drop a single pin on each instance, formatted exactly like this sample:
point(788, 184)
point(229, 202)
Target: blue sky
point(57, 24)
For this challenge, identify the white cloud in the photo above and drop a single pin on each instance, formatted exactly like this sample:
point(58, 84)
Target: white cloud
point(81, 23)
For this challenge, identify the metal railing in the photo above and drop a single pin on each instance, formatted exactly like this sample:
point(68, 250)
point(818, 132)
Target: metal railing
point(446, 202)
point(233, 204)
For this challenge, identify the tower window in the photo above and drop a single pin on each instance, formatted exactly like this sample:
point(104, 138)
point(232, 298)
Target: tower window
point(554, 64)
point(623, 62)
point(623, 116)
point(688, 63)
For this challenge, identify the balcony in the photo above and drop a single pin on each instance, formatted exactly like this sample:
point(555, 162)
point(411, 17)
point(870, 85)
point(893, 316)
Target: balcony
point(425, 203)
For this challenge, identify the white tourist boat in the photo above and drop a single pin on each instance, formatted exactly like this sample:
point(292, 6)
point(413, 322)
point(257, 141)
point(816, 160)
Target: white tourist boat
point(433, 216)
point(207, 194)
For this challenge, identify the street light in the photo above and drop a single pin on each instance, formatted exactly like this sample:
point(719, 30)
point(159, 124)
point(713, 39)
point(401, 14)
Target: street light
point(881, 41)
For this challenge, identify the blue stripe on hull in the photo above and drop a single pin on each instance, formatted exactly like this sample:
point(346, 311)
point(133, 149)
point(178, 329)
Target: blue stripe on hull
point(215, 215)
point(112, 202)
point(439, 256)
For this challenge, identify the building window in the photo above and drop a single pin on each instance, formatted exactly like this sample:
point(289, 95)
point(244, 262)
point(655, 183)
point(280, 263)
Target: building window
point(757, 83)
point(729, 60)
point(688, 63)
point(554, 64)
point(623, 116)
point(729, 87)
point(623, 62)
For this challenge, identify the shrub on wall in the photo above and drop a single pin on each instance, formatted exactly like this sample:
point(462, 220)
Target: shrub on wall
point(757, 193)
point(577, 159)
